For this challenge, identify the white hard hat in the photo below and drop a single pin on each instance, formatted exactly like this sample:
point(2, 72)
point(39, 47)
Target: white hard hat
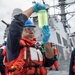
point(16, 11)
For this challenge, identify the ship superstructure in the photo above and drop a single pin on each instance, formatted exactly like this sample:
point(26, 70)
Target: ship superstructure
point(58, 35)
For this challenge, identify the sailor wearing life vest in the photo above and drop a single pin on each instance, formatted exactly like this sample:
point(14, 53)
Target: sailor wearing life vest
point(55, 51)
point(2, 66)
point(22, 58)
point(72, 63)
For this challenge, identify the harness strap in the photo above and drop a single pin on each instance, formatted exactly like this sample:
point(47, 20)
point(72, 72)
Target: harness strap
point(28, 61)
point(12, 70)
point(36, 65)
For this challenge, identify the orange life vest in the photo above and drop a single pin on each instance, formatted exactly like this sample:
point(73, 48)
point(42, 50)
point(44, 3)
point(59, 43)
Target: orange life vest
point(55, 51)
point(29, 61)
point(73, 68)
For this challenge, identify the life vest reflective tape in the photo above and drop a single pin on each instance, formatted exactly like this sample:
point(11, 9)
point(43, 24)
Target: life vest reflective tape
point(40, 55)
point(24, 54)
point(35, 53)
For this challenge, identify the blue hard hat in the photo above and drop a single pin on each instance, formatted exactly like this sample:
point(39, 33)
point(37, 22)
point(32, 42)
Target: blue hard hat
point(28, 23)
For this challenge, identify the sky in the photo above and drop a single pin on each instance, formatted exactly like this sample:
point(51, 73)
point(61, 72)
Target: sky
point(7, 6)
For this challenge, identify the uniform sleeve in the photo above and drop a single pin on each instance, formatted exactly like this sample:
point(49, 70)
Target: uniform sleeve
point(71, 63)
point(49, 62)
point(14, 35)
point(1, 56)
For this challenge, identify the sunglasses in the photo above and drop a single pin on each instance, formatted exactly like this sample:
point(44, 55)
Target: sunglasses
point(29, 29)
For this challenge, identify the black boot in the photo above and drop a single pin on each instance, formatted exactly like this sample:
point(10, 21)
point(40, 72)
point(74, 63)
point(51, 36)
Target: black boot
point(56, 69)
point(50, 69)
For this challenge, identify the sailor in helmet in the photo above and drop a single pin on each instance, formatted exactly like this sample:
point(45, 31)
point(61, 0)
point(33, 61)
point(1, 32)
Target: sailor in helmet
point(22, 58)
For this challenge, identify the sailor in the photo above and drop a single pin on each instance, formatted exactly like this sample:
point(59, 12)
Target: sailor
point(2, 66)
point(22, 57)
point(55, 51)
point(72, 63)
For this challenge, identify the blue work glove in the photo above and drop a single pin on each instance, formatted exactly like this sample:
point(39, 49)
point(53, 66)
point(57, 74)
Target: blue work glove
point(38, 7)
point(46, 34)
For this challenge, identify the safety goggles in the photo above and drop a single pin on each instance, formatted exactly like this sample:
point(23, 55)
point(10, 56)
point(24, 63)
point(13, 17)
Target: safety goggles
point(29, 29)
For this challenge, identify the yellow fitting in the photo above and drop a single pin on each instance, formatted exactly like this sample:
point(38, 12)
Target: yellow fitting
point(12, 67)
